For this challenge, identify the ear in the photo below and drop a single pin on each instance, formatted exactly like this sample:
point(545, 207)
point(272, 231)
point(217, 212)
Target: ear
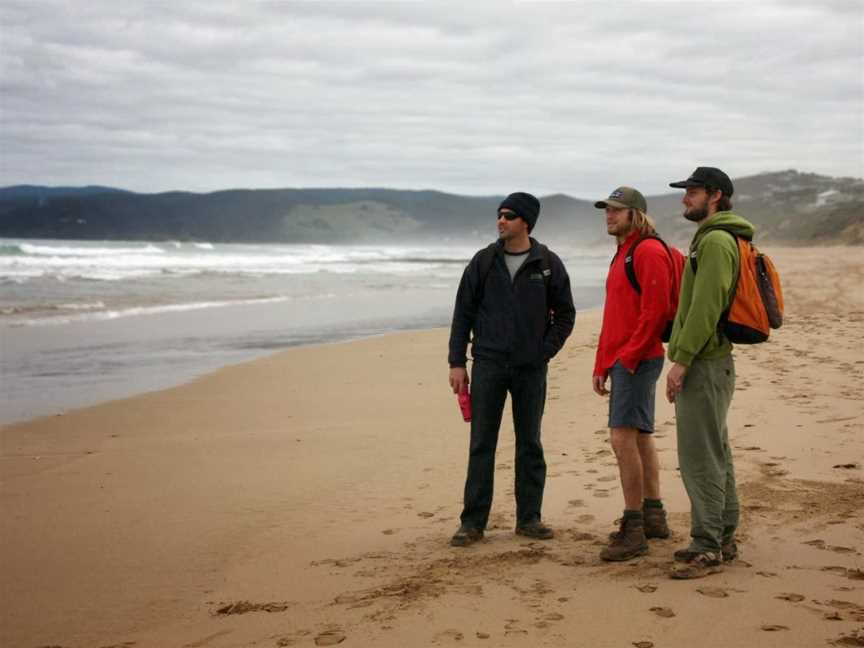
point(714, 197)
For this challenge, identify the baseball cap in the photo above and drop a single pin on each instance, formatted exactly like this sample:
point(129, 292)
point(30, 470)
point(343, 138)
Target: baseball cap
point(624, 198)
point(710, 176)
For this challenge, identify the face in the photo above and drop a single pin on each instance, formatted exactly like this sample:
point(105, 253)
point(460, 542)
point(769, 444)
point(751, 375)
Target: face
point(618, 221)
point(510, 229)
point(695, 204)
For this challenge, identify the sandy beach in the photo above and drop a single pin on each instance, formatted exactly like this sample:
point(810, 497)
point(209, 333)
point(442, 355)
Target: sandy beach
point(307, 498)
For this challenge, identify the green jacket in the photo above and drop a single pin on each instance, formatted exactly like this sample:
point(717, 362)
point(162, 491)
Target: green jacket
point(705, 294)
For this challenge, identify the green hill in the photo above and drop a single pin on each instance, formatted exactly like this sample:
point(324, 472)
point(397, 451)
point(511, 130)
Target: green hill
point(788, 207)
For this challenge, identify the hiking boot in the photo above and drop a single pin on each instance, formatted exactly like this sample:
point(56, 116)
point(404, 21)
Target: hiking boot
point(702, 564)
point(466, 536)
point(628, 542)
point(655, 522)
point(729, 552)
point(535, 529)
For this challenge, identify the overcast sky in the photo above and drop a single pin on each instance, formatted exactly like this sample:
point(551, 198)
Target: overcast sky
point(467, 97)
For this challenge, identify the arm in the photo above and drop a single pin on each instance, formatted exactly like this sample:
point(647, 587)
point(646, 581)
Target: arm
point(464, 315)
point(654, 269)
point(598, 378)
point(561, 301)
point(717, 259)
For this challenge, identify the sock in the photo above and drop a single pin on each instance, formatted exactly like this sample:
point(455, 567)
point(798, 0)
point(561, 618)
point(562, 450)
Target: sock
point(652, 503)
point(630, 515)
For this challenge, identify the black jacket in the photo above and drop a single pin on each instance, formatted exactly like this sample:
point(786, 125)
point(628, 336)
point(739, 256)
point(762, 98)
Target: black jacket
point(511, 319)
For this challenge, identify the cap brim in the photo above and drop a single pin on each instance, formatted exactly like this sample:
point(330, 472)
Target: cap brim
point(683, 184)
point(602, 204)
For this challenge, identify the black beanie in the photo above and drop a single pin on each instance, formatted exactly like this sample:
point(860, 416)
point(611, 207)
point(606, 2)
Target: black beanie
point(523, 204)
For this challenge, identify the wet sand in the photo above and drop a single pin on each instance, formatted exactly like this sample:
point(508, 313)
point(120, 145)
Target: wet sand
point(307, 499)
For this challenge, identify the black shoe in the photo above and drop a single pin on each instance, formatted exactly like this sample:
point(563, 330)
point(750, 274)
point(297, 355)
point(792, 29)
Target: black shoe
point(536, 530)
point(466, 536)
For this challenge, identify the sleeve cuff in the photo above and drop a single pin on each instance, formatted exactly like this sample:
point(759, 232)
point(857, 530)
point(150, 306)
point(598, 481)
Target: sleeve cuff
point(682, 357)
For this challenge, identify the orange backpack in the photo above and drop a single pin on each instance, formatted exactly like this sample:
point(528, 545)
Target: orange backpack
point(756, 304)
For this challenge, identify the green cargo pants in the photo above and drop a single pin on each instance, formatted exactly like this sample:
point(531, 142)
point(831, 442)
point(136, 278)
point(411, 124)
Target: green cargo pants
point(704, 455)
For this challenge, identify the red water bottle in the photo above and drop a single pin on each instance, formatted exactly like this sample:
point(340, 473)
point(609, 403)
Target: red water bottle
point(465, 405)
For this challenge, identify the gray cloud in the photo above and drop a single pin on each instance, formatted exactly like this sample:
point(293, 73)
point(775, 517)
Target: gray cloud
point(548, 97)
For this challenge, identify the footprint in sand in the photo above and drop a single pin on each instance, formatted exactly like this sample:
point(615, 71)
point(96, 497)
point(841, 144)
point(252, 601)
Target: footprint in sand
point(601, 492)
point(585, 518)
point(713, 592)
point(482, 635)
point(576, 503)
point(607, 478)
point(664, 612)
point(768, 627)
point(329, 638)
point(450, 634)
point(648, 588)
point(838, 549)
point(794, 598)
point(425, 514)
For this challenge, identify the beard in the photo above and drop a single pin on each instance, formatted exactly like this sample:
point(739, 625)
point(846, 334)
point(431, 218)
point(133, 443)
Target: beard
point(696, 215)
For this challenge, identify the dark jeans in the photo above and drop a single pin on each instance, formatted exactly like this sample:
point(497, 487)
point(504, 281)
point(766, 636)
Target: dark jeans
point(490, 382)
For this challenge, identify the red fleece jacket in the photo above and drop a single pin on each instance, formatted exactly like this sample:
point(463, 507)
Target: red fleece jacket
point(633, 323)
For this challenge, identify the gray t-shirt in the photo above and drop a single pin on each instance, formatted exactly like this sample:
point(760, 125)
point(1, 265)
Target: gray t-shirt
point(514, 262)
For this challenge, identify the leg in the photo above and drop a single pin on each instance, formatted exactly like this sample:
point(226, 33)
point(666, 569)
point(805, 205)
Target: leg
point(701, 409)
point(650, 467)
point(626, 447)
point(731, 509)
point(528, 393)
point(488, 393)
point(629, 541)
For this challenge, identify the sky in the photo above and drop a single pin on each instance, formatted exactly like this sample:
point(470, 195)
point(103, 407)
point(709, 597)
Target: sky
point(466, 97)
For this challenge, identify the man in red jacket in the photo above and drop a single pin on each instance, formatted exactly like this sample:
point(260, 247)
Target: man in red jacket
point(631, 354)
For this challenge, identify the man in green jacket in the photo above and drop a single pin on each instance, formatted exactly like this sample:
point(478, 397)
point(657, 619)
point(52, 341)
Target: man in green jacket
point(702, 378)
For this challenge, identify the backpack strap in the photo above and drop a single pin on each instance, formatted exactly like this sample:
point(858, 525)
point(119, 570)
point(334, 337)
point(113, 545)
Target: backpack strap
point(694, 265)
point(629, 270)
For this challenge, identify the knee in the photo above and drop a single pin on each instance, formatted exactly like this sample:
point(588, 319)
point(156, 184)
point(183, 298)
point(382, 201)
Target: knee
point(623, 441)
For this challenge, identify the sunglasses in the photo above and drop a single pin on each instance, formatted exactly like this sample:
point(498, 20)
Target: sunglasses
point(509, 215)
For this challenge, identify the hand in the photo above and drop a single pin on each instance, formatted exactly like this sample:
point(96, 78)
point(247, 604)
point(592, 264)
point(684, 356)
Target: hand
point(459, 379)
point(675, 381)
point(600, 385)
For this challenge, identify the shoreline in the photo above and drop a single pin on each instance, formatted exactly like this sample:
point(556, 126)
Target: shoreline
point(311, 493)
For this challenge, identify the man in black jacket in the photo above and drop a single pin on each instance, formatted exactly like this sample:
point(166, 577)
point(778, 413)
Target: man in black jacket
point(515, 297)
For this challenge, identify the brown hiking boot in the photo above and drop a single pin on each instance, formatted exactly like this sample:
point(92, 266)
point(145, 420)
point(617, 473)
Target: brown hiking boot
point(655, 522)
point(629, 541)
point(702, 564)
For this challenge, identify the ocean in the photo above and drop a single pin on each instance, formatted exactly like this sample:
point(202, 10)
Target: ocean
point(83, 322)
